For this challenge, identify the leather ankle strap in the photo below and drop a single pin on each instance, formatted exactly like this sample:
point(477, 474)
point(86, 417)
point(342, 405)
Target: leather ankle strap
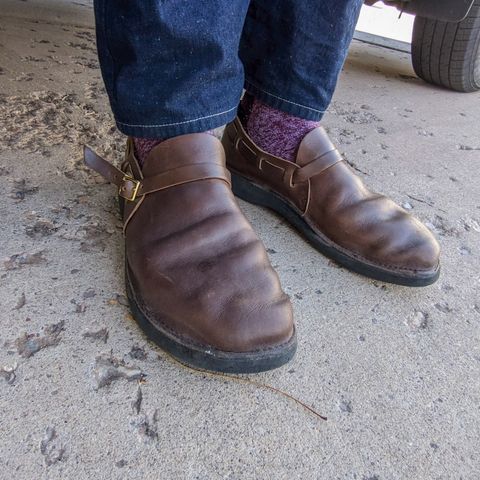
point(131, 188)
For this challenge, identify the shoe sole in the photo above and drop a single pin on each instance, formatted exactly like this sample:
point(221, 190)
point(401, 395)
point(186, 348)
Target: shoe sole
point(252, 193)
point(205, 357)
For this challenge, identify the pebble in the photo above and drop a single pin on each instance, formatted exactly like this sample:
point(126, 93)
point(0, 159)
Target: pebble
point(50, 448)
point(101, 334)
point(8, 373)
point(29, 344)
point(146, 427)
point(21, 302)
point(417, 321)
point(108, 369)
point(21, 259)
point(345, 406)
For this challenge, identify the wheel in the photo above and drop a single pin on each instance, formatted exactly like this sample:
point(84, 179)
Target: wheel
point(448, 54)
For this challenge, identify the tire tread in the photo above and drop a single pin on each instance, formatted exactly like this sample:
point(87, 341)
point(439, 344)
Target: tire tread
point(448, 54)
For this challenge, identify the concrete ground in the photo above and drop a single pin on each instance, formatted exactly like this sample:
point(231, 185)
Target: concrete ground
point(84, 395)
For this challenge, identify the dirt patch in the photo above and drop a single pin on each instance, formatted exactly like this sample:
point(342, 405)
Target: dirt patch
point(38, 121)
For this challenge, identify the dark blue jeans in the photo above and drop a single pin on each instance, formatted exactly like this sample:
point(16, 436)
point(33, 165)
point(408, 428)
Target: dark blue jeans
point(179, 66)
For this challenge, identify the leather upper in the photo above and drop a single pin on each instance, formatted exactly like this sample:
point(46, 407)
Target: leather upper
point(336, 204)
point(198, 269)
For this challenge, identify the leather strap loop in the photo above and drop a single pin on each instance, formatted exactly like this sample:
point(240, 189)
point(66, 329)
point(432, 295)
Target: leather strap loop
point(317, 166)
point(181, 175)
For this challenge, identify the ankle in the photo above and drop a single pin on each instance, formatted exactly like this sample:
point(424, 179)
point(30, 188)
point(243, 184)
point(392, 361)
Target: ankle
point(274, 131)
point(143, 146)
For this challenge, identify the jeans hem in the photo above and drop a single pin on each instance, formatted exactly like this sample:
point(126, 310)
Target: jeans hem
point(197, 124)
point(283, 104)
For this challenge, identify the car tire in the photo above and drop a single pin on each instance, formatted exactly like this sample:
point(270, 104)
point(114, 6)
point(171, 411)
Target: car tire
point(448, 54)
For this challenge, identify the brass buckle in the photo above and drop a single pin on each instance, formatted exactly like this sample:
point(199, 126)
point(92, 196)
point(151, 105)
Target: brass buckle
point(122, 189)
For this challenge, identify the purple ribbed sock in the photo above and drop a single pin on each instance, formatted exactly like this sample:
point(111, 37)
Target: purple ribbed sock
point(274, 131)
point(144, 145)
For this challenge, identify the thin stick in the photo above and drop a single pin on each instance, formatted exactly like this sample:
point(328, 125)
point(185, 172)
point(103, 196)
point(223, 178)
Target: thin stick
point(247, 381)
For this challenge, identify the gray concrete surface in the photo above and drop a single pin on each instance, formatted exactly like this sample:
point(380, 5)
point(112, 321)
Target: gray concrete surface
point(83, 395)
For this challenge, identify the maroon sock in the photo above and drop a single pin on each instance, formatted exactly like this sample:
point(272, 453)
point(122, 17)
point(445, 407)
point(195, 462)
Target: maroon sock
point(144, 145)
point(274, 131)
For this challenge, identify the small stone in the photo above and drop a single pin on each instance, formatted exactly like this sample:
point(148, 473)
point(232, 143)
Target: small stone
point(55, 328)
point(407, 206)
point(21, 189)
point(345, 406)
point(21, 302)
point(101, 335)
point(137, 403)
point(122, 300)
point(138, 353)
point(418, 321)
point(50, 448)
point(90, 293)
point(29, 344)
point(79, 307)
point(49, 436)
point(94, 238)
point(108, 369)
point(8, 373)
point(441, 226)
point(467, 148)
point(21, 259)
point(146, 427)
point(424, 133)
point(41, 228)
point(121, 463)
point(443, 307)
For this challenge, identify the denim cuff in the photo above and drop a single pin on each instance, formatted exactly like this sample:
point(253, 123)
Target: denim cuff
point(196, 124)
point(283, 104)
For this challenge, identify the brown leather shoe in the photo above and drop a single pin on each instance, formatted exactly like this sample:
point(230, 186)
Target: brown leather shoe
point(322, 197)
point(198, 278)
